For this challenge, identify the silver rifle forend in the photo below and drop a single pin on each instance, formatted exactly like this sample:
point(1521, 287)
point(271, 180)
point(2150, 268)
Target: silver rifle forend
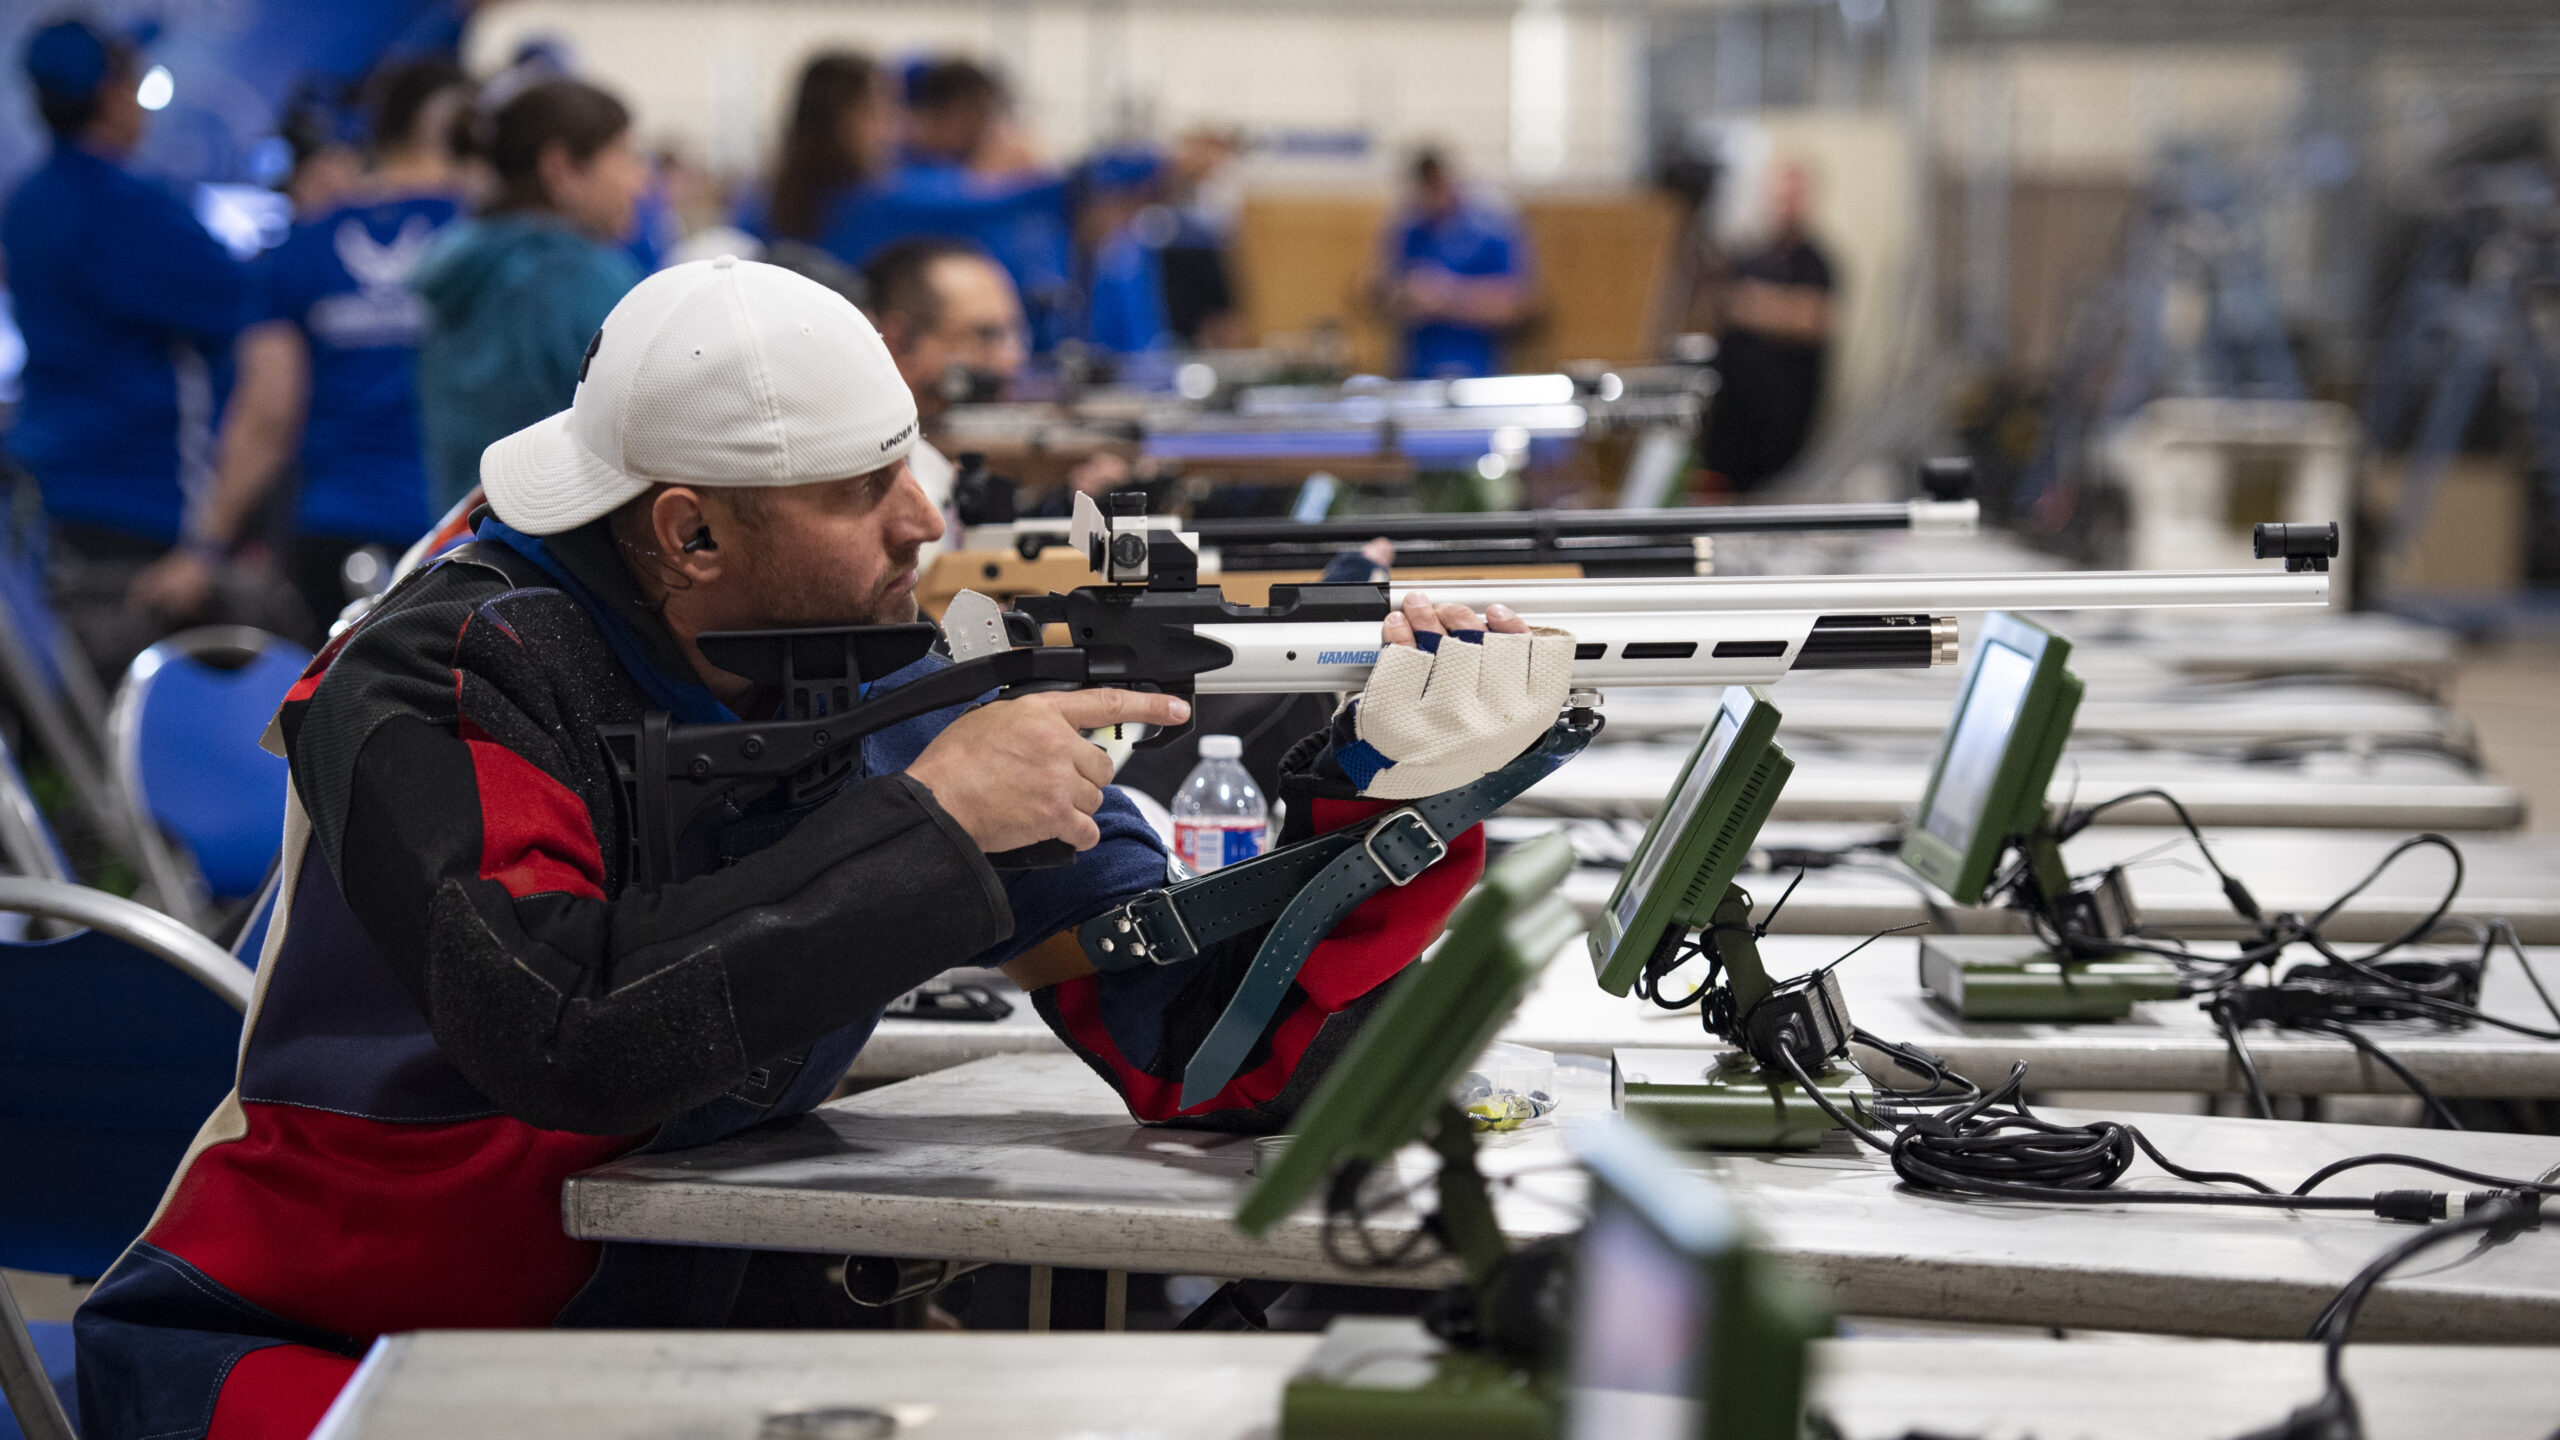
point(1741, 631)
point(1675, 631)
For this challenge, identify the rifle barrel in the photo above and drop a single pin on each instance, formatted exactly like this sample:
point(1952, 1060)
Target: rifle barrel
point(1940, 515)
point(1893, 594)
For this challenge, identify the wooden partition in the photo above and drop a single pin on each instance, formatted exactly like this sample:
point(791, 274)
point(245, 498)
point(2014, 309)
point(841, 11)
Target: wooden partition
point(1300, 261)
point(1602, 260)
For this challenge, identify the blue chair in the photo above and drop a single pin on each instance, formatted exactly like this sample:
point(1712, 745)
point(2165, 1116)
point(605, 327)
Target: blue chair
point(184, 735)
point(116, 1041)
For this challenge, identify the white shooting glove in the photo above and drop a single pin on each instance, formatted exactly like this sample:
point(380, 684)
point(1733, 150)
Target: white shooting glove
point(1435, 718)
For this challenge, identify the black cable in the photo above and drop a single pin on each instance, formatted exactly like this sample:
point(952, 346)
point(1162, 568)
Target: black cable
point(2417, 932)
point(1994, 1146)
point(2011, 1154)
point(2435, 1167)
point(2435, 1107)
point(2240, 1053)
point(2498, 1217)
point(2274, 936)
point(2328, 1008)
point(2494, 1217)
point(2501, 927)
point(1918, 1062)
point(2232, 890)
point(1344, 1211)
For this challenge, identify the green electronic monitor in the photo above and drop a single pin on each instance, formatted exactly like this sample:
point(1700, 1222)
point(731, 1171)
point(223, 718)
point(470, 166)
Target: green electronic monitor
point(1680, 1329)
point(1382, 1093)
point(2014, 709)
point(1697, 841)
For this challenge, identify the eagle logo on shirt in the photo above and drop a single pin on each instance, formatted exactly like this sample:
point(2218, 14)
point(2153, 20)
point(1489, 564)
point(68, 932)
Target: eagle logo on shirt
point(382, 265)
point(381, 310)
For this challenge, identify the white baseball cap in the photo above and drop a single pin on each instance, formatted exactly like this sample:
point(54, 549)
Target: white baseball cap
point(718, 373)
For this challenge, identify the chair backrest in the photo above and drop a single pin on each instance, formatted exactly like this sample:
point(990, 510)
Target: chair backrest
point(49, 680)
point(115, 1044)
point(27, 841)
point(184, 734)
point(26, 610)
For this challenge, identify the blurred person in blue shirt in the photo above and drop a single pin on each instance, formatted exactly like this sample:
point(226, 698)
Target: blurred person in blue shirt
point(515, 296)
point(967, 171)
point(842, 135)
point(128, 306)
point(1454, 271)
point(1157, 274)
point(327, 370)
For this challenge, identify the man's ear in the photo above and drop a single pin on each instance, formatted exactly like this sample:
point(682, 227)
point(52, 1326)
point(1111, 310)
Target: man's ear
point(556, 169)
point(685, 534)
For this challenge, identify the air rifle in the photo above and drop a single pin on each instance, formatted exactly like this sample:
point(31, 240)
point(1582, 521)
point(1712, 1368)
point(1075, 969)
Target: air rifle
point(1149, 624)
point(1673, 541)
point(1626, 542)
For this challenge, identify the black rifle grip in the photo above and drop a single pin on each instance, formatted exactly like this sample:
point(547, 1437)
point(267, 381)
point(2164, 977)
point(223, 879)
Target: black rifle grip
point(1045, 855)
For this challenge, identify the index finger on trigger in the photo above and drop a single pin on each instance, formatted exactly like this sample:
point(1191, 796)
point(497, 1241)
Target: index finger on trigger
point(1093, 709)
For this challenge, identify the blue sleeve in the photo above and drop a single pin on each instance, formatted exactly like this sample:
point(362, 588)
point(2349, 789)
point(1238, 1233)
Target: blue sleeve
point(272, 291)
point(155, 265)
point(1128, 859)
point(1125, 312)
point(1413, 244)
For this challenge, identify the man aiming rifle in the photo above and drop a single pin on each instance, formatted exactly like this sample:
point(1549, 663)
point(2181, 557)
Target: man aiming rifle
point(467, 996)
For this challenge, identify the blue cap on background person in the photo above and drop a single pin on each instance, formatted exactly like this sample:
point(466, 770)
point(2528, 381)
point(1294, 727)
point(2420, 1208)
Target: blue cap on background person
point(69, 59)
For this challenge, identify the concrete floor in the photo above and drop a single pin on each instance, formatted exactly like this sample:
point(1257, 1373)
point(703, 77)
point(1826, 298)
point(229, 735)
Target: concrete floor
point(2511, 691)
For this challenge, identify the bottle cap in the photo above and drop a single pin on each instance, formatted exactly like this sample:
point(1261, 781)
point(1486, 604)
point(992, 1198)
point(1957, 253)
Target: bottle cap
point(1220, 747)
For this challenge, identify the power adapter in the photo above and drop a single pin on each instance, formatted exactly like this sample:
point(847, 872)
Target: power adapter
point(1805, 1017)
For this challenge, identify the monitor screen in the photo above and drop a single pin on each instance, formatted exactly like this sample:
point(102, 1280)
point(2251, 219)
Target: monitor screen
point(1641, 1315)
point(1982, 733)
point(1674, 824)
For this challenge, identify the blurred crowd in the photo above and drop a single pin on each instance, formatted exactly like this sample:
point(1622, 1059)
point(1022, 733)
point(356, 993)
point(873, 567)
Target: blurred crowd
point(255, 441)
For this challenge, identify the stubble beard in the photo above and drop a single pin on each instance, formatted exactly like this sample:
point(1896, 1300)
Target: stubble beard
point(802, 604)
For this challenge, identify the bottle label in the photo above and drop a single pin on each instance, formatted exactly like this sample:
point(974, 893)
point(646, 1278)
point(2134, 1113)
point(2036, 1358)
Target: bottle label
point(1204, 845)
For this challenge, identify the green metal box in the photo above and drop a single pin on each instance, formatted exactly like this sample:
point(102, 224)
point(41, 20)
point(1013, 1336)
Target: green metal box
point(2018, 977)
point(1717, 1100)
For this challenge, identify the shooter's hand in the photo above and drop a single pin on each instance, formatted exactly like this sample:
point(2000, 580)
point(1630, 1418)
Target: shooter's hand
point(1016, 772)
point(1455, 695)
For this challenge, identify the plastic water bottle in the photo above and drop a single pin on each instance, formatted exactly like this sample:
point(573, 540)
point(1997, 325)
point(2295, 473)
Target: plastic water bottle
point(1218, 816)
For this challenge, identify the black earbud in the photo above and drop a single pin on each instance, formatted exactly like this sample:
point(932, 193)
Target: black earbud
point(701, 541)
